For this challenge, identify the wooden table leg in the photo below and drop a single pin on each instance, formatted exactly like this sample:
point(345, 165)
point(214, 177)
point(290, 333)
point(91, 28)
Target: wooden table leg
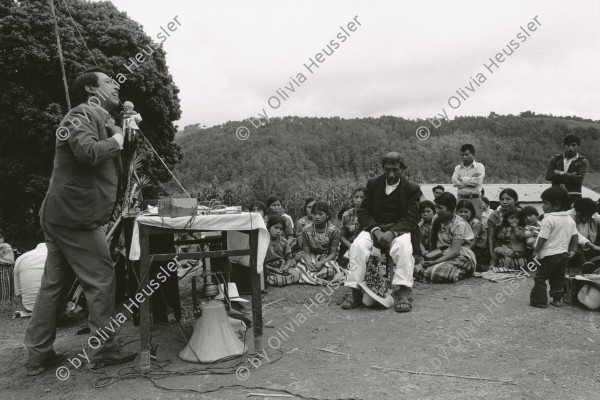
point(145, 321)
point(257, 320)
point(226, 267)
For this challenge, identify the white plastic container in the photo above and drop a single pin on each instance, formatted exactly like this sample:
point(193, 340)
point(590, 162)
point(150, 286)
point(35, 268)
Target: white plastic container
point(589, 296)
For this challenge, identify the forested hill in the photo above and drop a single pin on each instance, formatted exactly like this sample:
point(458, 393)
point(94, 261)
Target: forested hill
point(287, 153)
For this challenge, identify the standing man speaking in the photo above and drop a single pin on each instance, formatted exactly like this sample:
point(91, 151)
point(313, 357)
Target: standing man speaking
point(80, 199)
point(468, 178)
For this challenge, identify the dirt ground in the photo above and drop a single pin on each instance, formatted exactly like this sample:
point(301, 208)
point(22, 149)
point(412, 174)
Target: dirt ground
point(473, 328)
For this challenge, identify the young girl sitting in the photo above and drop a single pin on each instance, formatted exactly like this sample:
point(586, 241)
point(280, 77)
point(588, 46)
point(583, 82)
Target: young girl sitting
point(302, 222)
point(259, 207)
point(450, 257)
point(320, 241)
point(350, 227)
point(279, 260)
point(275, 207)
point(528, 218)
point(427, 211)
point(466, 210)
point(511, 240)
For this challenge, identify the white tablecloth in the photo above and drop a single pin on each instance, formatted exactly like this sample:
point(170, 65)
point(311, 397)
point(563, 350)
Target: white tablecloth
point(216, 222)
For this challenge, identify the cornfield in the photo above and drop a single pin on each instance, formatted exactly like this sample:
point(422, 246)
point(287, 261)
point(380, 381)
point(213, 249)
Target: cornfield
point(337, 193)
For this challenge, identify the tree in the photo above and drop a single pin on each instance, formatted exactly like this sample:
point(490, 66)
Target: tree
point(32, 101)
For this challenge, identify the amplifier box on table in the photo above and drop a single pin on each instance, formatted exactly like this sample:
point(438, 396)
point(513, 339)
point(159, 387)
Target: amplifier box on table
point(177, 207)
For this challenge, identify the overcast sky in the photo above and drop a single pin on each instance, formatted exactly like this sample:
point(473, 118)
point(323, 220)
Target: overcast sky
point(405, 59)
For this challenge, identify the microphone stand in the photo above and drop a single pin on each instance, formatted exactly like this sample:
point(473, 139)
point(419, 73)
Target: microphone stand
point(131, 197)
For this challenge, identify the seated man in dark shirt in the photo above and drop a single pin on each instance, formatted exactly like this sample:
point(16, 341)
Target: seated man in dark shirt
point(388, 217)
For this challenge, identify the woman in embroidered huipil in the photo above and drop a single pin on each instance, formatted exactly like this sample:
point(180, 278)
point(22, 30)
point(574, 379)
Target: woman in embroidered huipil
point(320, 241)
point(450, 258)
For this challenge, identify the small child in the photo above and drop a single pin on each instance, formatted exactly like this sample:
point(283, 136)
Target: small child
point(279, 260)
point(7, 262)
point(320, 242)
point(485, 214)
point(427, 211)
point(350, 227)
point(275, 207)
point(512, 250)
point(528, 217)
point(466, 210)
point(557, 241)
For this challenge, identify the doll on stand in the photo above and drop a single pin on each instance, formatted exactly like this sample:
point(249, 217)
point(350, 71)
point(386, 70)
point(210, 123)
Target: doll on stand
point(131, 129)
point(130, 117)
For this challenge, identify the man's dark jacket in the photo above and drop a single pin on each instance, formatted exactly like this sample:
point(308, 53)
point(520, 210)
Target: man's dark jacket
point(405, 199)
point(84, 182)
point(573, 178)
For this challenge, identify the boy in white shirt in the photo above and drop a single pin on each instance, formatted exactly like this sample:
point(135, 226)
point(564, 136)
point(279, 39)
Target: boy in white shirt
point(558, 236)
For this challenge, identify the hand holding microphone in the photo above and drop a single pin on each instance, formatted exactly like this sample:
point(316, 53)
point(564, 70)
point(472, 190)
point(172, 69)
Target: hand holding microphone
point(114, 131)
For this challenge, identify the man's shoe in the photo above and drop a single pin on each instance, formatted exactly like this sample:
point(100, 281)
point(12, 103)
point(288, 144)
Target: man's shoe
point(352, 299)
point(112, 358)
point(54, 359)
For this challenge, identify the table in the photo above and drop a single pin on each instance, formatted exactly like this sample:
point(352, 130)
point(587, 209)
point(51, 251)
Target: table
point(235, 229)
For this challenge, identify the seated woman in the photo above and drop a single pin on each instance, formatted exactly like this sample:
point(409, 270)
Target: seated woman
point(279, 260)
point(307, 218)
point(350, 227)
point(275, 207)
point(509, 200)
point(511, 246)
point(587, 221)
point(466, 210)
point(320, 241)
point(259, 207)
point(450, 257)
point(300, 224)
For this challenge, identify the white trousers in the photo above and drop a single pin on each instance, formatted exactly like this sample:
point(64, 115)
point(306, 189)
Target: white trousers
point(401, 253)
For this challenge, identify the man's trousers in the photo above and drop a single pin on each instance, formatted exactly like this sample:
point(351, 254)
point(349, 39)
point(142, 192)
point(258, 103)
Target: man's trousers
point(73, 252)
point(401, 253)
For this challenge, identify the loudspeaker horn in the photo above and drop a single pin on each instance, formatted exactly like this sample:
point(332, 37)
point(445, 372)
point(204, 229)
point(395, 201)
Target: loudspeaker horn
point(213, 337)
